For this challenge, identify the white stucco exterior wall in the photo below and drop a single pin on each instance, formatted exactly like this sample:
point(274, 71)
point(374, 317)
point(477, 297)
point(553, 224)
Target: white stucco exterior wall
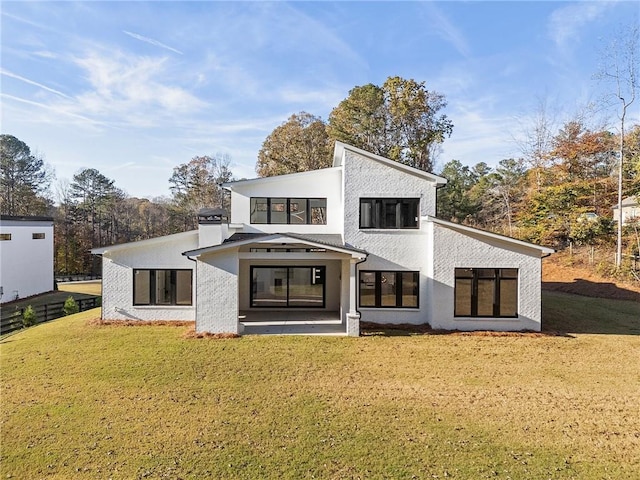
point(26, 264)
point(453, 249)
point(389, 249)
point(325, 183)
point(217, 292)
point(117, 277)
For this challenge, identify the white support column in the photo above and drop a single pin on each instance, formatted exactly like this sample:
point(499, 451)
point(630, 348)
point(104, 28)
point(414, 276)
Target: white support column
point(353, 317)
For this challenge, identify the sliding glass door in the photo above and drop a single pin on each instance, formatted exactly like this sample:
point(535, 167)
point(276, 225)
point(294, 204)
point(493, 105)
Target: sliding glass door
point(288, 287)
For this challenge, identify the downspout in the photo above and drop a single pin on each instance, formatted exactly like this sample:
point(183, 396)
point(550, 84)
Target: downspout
point(358, 285)
point(195, 310)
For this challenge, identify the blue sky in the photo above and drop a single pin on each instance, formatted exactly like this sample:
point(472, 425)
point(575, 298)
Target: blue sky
point(137, 88)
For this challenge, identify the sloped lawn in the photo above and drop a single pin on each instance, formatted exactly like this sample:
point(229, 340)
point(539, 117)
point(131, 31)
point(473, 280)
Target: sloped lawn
point(87, 401)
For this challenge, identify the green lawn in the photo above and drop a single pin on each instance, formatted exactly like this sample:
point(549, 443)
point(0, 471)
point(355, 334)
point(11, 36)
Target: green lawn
point(89, 401)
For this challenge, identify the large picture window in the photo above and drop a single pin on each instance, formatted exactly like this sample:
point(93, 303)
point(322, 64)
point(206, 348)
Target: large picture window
point(389, 212)
point(296, 211)
point(486, 292)
point(288, 287)
point(162, 287)
point(389, 289)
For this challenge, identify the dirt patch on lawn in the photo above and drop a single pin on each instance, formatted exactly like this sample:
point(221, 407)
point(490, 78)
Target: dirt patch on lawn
point(580, 280)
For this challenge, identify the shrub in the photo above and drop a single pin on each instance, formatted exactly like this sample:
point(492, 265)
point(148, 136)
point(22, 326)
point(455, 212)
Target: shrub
point(70, 306)
point(29, 317)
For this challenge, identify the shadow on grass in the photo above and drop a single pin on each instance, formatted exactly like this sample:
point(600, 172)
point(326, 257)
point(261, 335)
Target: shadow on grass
point(369, 329)
point(587, 288)
point(572, 313)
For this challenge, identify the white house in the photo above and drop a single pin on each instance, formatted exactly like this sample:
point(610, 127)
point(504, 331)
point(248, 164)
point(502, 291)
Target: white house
point(355, 242)
point(26, 256)
point(630, 210)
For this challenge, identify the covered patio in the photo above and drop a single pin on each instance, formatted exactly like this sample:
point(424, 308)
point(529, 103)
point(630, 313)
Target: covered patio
point(292, 323)
point(279, 284)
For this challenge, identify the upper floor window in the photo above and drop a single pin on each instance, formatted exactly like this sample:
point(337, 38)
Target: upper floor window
point(37, 236)
point(389, 212)
point(486, 292)
point(292, 211)
point(5, 236)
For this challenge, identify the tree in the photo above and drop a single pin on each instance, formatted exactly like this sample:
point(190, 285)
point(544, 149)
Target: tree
point(196, 185)
point(399, 120)
point(454, 200)
point(536, 142)
point(298, 145)
point(24, 179)
point(93, 197)
point(620, 70)
point(497, 193)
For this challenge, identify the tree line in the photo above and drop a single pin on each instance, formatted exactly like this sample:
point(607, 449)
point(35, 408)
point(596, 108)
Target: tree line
point(400, 120)
point(91, 211)
point(559, 192)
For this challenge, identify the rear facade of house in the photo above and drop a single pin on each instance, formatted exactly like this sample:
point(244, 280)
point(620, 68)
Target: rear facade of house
point(357, 242)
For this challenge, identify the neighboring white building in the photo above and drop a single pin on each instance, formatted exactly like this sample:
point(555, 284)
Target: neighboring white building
point(26, 256)
point(630, 210)
point(355, 242)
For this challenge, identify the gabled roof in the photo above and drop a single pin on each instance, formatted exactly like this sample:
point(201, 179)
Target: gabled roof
point(340, 148)
point(327, 241)
point(143, 243)
point(276, 178)
point(483, 233)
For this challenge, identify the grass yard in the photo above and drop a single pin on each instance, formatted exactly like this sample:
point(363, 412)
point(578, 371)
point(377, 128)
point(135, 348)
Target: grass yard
point(93, 287)
point(86, 401)
point(77, 290)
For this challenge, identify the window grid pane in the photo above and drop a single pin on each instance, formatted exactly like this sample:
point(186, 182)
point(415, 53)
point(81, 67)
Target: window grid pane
point(486, 292)
point(141, 287)
point(409, 289)
point(395, 213)
point(389, 289)
point(283, 211)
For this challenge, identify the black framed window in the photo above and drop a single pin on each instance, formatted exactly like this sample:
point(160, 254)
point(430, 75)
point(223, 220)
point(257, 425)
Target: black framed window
point(162, 287)
point(288, 287)
point(389, 212)
point(288, 211)
point(37, 236)
point(389, 289)
point(5, 236)
point(486, 292)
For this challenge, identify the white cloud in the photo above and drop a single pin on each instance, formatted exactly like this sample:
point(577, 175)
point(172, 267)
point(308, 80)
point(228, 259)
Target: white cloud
point(132, 88)
point(565, 23)
point(31, 82)
point(151, 41)
point(447, 30)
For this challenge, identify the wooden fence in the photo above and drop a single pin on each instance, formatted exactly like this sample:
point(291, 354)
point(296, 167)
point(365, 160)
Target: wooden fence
point(11, 320)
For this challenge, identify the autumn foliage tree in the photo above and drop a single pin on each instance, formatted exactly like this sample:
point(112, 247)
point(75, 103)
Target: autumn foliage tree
point(400, 120)
point(298, 145)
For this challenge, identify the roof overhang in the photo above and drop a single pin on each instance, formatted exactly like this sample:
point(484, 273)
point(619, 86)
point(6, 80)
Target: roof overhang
point(276, 178)
point(143, 243)
point(279, 239)
point(338, 158)
point(544, 251)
